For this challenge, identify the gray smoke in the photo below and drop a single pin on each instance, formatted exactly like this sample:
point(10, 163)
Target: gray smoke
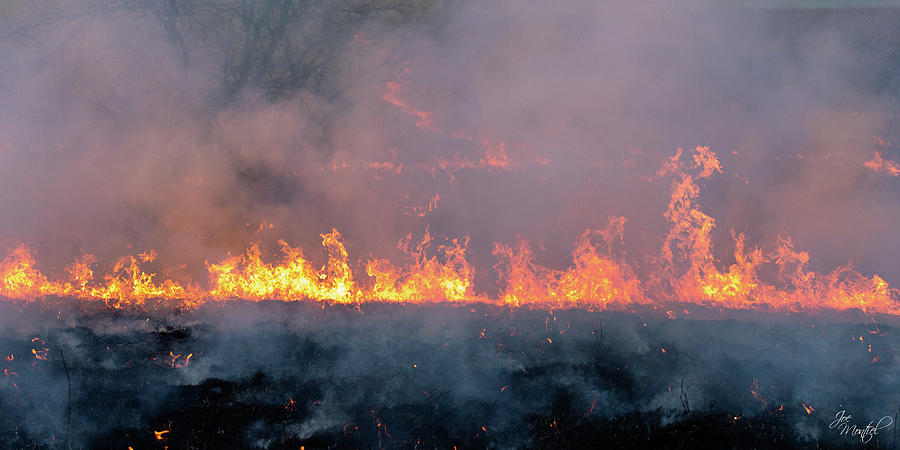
point(276, 375)
point(110, 148)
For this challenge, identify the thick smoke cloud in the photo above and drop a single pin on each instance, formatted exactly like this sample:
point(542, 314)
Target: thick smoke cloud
point(524, 119)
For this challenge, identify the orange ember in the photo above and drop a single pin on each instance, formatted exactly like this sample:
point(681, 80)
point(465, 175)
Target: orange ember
point(598, 278)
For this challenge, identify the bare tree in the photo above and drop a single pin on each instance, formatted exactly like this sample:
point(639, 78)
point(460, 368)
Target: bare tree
point(285, 45)
point(277, 46)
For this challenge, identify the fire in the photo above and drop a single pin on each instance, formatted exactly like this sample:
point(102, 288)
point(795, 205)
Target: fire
point(422, 210)
point(425, 118)
point(740, 286)
point(495, 156)
point(597, 278)
point(294, 278)
point(39, 351)
point(754, 391)
point(595, 281)
point(879, 164)
point(448, 278)
point(126, 284)
point(129, 284)
point(178, 361)
point(21, 280)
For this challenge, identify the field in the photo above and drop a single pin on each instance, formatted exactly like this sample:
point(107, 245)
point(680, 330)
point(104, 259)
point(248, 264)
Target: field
point(289, 375)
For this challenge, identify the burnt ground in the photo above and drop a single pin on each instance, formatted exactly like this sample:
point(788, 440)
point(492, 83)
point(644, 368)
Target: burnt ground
point(278, 376)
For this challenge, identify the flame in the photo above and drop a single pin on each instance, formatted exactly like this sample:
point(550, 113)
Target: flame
point(448, 278)
point(23, 281)
point(126, 284)
point(178, 361)
point(294, 278)
point(594, 281)
point(879, 164)
point(425, 119)
point(423, 210)
point(130, 285)
point(597, 278)
point(740, 286)
point(754, 391)
point(495, 156)
point(40, 352)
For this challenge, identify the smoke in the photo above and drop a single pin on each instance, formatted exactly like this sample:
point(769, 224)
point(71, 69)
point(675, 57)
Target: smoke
point(488, 121)
point(277, 375)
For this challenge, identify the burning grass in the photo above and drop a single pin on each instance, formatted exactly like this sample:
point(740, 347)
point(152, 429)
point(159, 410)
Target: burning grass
point(599, 278)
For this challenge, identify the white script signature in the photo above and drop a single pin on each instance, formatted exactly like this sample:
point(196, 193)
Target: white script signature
point(842, 423)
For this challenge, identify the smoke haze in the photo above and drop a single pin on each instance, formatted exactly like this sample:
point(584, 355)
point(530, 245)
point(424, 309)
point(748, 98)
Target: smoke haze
point(523, 119)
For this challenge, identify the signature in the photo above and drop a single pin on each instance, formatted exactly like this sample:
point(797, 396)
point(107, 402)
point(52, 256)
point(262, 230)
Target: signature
point(842, 423)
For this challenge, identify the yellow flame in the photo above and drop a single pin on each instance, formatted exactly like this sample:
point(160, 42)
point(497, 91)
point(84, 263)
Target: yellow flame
point(596, 279)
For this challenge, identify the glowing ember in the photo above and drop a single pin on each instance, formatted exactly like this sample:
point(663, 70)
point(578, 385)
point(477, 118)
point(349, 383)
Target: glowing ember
point(754, 391)
point(39, 351)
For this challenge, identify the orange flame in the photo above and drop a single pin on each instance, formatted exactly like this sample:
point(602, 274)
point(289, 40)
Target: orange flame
point(740, 286)
point(598, 278)
point(425, 118)
point(426, 279)
point(879, 164)
point(294, 278)
point(594, 281)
